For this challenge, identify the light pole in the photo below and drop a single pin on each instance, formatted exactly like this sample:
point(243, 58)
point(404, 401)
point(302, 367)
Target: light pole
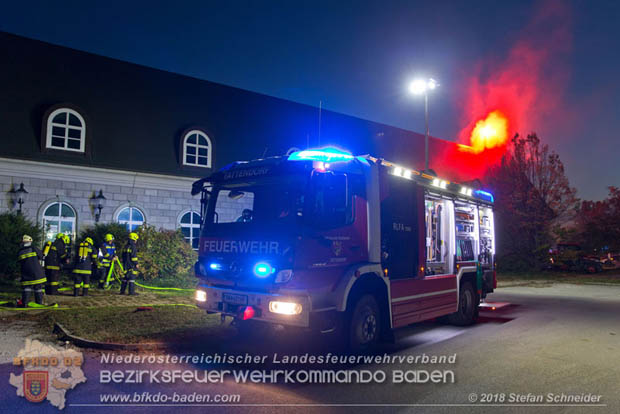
point(419, 87)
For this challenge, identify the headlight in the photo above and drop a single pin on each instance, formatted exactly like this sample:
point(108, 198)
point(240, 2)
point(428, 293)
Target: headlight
point(201, 296)
point(284, 276)
point(285, 308)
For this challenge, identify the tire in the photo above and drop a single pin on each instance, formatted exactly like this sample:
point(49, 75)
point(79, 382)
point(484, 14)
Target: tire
point(468, 306)
point(365, 324)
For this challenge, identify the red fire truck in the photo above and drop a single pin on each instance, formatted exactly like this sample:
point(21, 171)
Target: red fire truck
point(326, 240)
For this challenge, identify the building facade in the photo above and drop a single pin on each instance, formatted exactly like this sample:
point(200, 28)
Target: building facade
point(76, 125)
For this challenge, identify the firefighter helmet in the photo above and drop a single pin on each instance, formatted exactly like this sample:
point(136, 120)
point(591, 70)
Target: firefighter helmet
point(133, 236)
point(88, 240)
point(60, 236)
point(26, 239)
point(108, 237)
point(66, 239)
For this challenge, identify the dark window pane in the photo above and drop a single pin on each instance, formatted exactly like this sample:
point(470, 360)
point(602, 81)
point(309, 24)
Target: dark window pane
point(195, 242)
point(61, 118)
point(58, 131)
point(58, 142)
point(67, 211)
point(202, 151)
point(186, 218)
point(191, 150)
point(133, 227)
point(190, 159)
point(202, 160)
point(185, 231)
point(136, 215)
point(191, 139)
point(124, 214)
point(195, 218)
point(202, 141)
point(74, 133)
point(52, 210)
point(73, 120)
point(73, 144)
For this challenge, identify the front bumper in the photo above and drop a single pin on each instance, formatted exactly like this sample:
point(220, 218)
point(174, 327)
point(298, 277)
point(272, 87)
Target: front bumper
point(260, 302)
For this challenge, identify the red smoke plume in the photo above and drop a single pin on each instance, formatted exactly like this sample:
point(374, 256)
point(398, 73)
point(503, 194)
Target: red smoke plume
point(521, 92)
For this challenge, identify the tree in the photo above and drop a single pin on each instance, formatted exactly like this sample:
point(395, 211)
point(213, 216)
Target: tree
point(533, 197)
point(165, 257)
point(598, 223)
point(12, 228)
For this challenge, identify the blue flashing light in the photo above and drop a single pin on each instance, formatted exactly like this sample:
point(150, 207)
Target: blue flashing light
point(485, 195)
point(362, 160)
point(329, 154)
point(215, 266)
point(262, 269)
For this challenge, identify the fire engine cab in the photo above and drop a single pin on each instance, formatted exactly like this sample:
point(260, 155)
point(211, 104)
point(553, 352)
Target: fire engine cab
point(326, 240)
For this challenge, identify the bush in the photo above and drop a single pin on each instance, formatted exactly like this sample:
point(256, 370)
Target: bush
point(165, 257)
point(97, 233)
point(12, 228)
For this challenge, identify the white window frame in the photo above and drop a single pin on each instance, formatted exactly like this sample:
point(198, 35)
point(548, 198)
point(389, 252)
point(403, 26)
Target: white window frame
point(66, 126)
point(194, 232)
point(197, 146)
point(60, 219)
point(129, 223)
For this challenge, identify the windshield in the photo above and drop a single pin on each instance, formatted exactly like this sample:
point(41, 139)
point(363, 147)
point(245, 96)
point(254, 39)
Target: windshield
point(283, 203)
point(275, 201)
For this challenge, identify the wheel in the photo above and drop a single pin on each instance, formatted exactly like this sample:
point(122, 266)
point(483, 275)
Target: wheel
point(468, 306)
point(365, 326)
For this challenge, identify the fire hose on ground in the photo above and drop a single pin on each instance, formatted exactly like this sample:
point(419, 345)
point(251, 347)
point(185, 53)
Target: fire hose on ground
point(114, 273)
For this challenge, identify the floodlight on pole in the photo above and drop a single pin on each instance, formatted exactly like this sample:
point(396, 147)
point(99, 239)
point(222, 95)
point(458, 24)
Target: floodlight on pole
point(421, 87)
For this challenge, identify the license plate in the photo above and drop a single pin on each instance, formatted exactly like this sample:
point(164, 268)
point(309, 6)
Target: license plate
point(235, 299)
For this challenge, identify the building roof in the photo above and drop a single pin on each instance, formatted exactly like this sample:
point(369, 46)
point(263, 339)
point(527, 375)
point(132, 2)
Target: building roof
point(136, 116)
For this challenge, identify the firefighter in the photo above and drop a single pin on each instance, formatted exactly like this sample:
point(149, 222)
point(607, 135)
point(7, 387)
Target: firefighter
point(130, 264)
point(108, 252)
point(84, 260)
point(33, 277)
point(56, 255)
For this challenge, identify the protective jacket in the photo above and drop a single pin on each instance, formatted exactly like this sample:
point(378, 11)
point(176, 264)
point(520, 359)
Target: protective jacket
point(56, 255)
point(82, 271)
point(32, 272)
point(130, 264)
point(108, 250)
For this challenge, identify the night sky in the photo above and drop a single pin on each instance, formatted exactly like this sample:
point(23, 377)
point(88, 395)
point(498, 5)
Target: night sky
point(357, 57)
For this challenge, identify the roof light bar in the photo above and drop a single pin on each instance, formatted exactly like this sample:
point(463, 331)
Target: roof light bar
point(328, 154)
point(437, 182)
point(402, 172)
point(466, 191)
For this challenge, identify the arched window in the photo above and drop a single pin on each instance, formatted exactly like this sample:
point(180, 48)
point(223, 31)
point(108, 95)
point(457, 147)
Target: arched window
point(197, 149)
point(132, 217)
point(190, 227)
point(59, 217)
point(66, 130)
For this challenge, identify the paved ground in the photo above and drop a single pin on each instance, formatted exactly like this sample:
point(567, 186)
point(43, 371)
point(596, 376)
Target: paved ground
point(558, 339)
